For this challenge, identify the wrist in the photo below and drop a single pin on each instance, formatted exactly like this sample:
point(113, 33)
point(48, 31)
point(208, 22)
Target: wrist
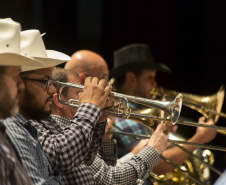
point(107, 138)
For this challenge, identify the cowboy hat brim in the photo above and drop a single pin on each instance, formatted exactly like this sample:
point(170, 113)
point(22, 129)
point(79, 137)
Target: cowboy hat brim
point(139, 65)
point(14, 59)
point(54, 58)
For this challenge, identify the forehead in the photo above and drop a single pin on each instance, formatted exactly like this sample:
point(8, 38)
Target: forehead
point(10, 69)
point(99, 70)
point(149, 72)
point(42, 72)
point(73, 79)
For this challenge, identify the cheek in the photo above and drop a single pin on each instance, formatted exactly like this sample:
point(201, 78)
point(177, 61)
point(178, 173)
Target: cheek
point(12, 90)
point(39, 95)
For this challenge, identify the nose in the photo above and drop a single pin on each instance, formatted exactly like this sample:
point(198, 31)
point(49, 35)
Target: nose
point(20, 83)
point(52, 89)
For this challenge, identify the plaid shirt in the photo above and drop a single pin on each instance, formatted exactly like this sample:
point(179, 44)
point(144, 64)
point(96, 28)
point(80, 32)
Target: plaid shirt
point(139, 167)
point(125, 143)
point(12, 171)
point(30, 151)
point(73, 147)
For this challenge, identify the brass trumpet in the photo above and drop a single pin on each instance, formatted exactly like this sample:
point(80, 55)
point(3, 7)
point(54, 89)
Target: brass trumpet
point(121, 107)
point(203, 104)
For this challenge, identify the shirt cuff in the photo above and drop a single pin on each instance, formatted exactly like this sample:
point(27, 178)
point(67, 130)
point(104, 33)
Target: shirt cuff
point(89, 111)
point(150, 155)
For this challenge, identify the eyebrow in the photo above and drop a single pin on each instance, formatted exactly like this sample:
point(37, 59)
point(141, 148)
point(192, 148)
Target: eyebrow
point(43, 77)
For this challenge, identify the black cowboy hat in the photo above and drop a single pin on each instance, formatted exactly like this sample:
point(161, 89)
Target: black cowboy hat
point(135, 56)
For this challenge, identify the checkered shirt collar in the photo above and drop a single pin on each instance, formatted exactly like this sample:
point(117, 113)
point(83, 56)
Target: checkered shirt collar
point(61, 120)
point(19, 118)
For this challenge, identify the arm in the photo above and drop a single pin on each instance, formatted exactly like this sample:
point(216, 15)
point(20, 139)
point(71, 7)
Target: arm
point(176, 155)
point(108, 152)
point(139, 167)
point(108, 147)
point(95, 144)
point(69, 146)
point(133, 152)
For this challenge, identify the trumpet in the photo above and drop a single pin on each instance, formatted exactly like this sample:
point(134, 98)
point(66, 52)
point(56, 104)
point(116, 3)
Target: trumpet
point(205, 105)
point(121, 108)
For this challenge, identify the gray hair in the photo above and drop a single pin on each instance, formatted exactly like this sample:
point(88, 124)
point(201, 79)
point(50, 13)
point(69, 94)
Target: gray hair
point(61, 75)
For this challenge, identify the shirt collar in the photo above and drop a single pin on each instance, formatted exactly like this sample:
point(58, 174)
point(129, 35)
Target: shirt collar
point(62, 121)
point(19, 118)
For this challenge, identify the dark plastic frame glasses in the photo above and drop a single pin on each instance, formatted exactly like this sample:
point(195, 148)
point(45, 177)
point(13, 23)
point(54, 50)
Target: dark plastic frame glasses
point(48, 83)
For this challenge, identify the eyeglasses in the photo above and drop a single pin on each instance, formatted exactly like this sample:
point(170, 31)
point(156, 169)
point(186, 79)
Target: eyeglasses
point(48, 83)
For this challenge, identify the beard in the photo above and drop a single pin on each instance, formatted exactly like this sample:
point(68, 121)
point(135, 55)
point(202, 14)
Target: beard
point(8, 104)
point(8, 107)
point(32, 108)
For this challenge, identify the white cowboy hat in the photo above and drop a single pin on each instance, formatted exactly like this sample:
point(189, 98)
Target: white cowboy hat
point(10, 52)
point(32, 45)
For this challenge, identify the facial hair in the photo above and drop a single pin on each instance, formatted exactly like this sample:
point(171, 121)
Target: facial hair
point(31, 107)
point(8, 106)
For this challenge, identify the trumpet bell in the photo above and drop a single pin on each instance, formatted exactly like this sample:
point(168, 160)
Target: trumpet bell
point(203, 104)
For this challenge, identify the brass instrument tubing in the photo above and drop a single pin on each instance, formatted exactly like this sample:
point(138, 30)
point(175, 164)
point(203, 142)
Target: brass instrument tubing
point(136, 136)
point(194, 124)
point(221, 114)
point(187, 123)
point(199, 145)
point(191, 154)
point(182, 171)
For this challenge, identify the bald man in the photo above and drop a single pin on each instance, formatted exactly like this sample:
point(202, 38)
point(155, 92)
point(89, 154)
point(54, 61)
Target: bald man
point(87, 63)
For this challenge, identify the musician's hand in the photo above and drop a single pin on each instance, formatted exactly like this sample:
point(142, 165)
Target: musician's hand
point(159, 140)
point(109, 127)
point(136, 149)
point(95, 92)
point(169, 127)
point(205, 135)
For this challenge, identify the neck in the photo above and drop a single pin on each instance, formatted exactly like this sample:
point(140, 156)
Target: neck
point(24, 114)
point(56, 111)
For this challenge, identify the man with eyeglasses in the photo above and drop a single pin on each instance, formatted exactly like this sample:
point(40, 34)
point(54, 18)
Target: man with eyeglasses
point(35, 104)
point(102, 169)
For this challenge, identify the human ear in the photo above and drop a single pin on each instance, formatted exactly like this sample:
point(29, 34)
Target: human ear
point(130, 77)
point(56, 101)
point(82, 78)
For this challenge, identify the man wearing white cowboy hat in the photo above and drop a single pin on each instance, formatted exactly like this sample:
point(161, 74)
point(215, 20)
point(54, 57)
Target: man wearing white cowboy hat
point(35, 104)
point(12, 170)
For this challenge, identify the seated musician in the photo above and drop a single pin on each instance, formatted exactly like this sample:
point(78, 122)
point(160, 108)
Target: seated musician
point(85, 63)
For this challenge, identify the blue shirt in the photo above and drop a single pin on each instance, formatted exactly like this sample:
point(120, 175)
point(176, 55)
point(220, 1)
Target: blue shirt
point(125, 143)
point(30, 151)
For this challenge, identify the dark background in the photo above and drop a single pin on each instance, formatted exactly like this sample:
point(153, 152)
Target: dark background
point(187, 35)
